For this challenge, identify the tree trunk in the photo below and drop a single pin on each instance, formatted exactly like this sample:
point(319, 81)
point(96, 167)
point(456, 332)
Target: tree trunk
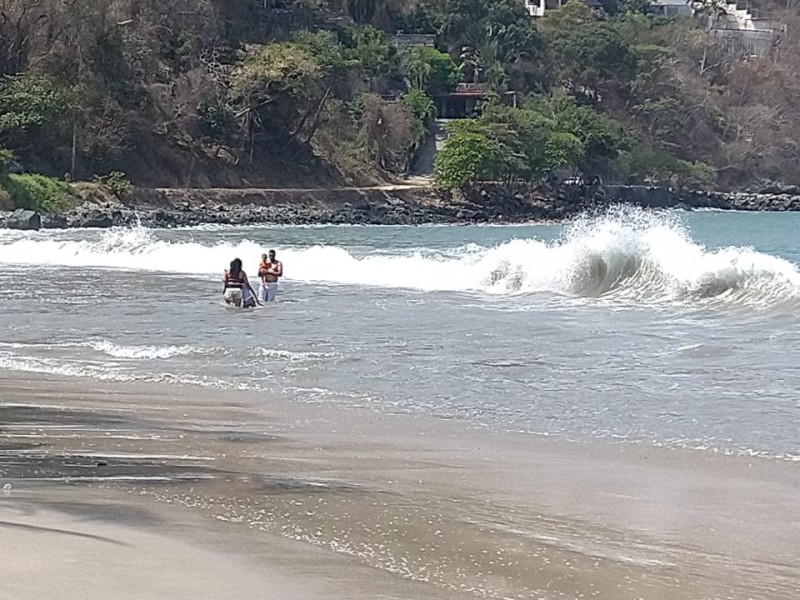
point(74, 159)
point(252, 142)
point(316, 121)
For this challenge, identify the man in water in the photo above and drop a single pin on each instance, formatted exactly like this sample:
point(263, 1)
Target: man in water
point(270, 270)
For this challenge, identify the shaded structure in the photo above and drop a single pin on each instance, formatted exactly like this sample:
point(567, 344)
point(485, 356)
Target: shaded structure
point(467, 100)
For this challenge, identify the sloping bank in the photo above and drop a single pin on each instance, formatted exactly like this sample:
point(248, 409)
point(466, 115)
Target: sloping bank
point(385, 205)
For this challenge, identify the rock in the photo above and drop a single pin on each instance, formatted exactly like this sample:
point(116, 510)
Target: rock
point(488, 202)
point(779, 189)
point(94, 218)
point(55, 222)
point(24, 219)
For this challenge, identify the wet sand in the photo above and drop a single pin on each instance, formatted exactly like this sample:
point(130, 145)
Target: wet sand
point(151, 491)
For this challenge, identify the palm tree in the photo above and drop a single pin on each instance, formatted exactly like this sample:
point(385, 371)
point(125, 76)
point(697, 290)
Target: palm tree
point(419, 68)
point(471, 62)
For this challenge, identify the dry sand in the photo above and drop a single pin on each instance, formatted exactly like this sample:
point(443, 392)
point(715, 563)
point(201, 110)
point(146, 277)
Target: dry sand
point(157, 491)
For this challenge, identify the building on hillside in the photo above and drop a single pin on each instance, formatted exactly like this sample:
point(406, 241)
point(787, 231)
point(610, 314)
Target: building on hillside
point(406, 41)
point(537, 8)
point(466, 101)
point(740, 29)
point(749, 42)
point(671, 8)
point(743, 31)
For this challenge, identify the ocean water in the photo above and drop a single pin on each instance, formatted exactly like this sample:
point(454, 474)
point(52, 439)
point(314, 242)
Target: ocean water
point(674, 329)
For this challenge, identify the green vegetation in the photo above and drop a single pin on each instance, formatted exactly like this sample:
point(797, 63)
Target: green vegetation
point(468, 157)
point(36, 192)
point(420, 105)
point(527, 144)
point(116, 182)
point(432, 71)
point(247, 92)
point(29, 100)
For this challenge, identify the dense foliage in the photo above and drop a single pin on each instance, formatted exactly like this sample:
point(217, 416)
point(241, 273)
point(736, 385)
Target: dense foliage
point(36, 192)
point(250, 92)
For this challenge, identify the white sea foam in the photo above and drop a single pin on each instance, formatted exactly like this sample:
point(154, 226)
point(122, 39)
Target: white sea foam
point(97, 371)
point(142, 352)
point(120, 351)
point(627, 254)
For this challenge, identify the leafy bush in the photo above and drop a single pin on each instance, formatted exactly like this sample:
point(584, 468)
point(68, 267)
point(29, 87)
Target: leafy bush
point(527, 144)
point(29, 100)
point(420, 105)
point(367, 48)
point(466, 157)
point(37, 192)
point(117, 182)
point(432, 71)
point(6, 156)
point(657, 166)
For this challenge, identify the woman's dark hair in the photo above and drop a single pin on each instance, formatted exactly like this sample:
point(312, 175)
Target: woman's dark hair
point(236, 267)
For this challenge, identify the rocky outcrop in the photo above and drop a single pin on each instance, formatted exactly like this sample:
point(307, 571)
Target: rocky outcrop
point(651, 197)
point(24, 219)
point(387, 205)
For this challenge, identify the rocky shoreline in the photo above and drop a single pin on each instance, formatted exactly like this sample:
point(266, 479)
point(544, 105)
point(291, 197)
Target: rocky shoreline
point(387, 205)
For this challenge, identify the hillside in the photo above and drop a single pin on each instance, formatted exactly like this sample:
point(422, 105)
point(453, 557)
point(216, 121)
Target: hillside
point(267, 93)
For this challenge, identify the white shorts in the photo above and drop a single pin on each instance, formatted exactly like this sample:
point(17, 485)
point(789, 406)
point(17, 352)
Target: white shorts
point(233, 296)
point(268, 292)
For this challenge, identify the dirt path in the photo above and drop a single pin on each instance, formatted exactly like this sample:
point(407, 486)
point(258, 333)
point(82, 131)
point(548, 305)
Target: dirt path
point(412, 183)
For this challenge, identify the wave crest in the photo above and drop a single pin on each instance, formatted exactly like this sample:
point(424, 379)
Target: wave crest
point(626, 254)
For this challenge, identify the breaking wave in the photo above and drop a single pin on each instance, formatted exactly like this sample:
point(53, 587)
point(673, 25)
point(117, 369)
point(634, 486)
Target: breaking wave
point(625, 254)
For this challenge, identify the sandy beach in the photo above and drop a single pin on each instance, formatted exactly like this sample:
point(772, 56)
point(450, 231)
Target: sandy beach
point(114, 490)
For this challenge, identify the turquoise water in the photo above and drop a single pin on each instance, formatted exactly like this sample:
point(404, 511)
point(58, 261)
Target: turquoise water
point(678, 329)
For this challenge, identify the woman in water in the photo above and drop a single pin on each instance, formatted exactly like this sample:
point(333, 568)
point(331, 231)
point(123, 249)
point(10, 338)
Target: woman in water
point(235, 281)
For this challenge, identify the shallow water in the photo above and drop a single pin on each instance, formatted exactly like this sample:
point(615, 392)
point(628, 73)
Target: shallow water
point(674, 328)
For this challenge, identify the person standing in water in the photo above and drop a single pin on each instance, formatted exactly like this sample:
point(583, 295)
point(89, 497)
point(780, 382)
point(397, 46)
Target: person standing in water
point(235, 282)
point(270, 270)
point(262, 274)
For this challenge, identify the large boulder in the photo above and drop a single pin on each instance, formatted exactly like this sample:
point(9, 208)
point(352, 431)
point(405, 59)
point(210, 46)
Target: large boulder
point(55, 222)
point(94, 218)
point(24, 219)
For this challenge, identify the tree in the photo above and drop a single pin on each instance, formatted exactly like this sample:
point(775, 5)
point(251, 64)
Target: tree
point(522, 135)
point(590, 56)
point(526, 146)
point(278, 87)
point(420, 105)
point(496, 40)
point(432, 71)
point(485, 64)
point(368, 48)
point(31, 100)
point(465, 157)
point(563, 149)
point(602, 138)
point(657, 166)
point(390, 131)
point(471, 23)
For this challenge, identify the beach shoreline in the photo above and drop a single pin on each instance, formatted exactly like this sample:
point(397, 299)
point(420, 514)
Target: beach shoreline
point(390, 505)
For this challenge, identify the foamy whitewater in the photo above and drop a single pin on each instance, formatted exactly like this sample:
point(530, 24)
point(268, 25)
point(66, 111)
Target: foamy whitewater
point(670, 328)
